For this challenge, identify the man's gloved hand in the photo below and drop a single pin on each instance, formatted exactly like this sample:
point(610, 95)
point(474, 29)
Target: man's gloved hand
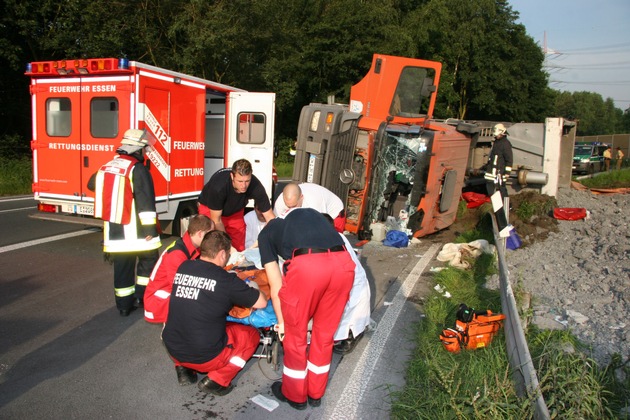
point(505, 177)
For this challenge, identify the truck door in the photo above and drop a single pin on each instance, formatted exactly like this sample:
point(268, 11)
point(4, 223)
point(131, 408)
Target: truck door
point(250, 125)
point(77, 121)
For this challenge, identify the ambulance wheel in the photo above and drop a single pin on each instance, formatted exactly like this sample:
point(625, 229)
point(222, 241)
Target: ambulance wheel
point(275, 348)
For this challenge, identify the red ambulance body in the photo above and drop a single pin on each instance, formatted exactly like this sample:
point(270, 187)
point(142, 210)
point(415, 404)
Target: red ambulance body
point(81, 108)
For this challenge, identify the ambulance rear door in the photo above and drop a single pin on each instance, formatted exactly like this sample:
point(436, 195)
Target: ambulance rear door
point(77, 125)
point(250, 126)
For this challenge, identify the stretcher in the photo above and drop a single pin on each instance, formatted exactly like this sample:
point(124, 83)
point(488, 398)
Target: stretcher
point(264, 320)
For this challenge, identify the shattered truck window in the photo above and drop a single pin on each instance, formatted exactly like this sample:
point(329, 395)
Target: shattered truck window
point(395, 170)
point(413, 92)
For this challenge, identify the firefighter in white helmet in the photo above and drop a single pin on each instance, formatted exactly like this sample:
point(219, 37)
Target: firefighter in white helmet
point(500, 161)
point(125, 200)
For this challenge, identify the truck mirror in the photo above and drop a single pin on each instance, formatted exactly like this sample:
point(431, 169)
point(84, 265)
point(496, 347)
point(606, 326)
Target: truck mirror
point(428, 87)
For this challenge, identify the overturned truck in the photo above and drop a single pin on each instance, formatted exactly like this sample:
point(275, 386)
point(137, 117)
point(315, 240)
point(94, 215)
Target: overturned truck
point(386, 156)
point(383, 153)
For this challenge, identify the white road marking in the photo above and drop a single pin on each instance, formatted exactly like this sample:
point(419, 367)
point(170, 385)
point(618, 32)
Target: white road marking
point(44, 240)
point(347, 405)
point(20, 198)
point(21, 208)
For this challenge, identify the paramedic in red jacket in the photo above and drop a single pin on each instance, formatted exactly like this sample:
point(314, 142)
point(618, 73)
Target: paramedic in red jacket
point(125, 200)
point(158, 291)
point(196, 334)
point(225, 195)
point(318, 276)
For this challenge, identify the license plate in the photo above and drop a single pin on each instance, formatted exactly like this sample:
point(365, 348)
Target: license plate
point(82, 209)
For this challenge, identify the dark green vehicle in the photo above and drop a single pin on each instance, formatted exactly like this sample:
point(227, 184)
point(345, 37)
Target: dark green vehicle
point(588, 157)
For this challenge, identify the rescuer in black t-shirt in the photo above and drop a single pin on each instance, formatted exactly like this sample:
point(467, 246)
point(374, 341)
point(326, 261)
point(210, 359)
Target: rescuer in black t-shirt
point(196, 334)
point(318, 276)
point(225, 195)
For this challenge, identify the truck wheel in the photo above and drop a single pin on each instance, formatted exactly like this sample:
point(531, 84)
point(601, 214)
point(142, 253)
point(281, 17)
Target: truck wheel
point(184, 211)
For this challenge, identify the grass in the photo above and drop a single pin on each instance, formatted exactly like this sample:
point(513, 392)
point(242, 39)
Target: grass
point(611, 179)
point(478, 384)
point(16, 176)
point(284, 169)
point(470, 384)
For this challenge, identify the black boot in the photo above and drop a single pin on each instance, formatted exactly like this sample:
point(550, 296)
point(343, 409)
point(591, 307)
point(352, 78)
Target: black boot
point(186, 376)
point(346, 346)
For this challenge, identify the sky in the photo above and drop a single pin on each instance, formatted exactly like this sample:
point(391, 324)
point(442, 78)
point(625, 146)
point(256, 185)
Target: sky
point(588, 44)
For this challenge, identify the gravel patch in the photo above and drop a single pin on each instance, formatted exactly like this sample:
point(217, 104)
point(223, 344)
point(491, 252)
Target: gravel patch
point(579, 276)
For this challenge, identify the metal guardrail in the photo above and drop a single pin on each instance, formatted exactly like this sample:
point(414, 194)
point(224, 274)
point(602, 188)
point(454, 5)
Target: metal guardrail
point(523, 371)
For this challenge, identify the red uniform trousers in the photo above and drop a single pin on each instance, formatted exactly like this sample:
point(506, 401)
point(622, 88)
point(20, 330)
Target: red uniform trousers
point(315, 286)
point(234, 226)
point(241, 345)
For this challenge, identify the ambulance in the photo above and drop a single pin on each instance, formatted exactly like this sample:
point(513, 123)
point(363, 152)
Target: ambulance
point(81, 108)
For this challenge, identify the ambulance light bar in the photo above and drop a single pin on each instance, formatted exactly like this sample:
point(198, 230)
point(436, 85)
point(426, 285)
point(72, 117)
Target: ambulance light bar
point(75, 67)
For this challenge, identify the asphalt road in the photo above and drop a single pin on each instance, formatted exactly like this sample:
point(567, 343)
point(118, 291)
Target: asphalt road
point(66, 353)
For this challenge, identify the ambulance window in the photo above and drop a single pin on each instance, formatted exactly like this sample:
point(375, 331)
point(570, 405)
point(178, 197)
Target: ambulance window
point(104, 117)
point(251, 128)
point(58, 117)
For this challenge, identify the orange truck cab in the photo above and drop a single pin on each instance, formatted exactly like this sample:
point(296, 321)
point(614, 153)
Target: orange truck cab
point(383, 154)
point(81, 108)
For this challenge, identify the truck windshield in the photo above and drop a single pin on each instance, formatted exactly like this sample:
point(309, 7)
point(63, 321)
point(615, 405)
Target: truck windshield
point(582, 149)
point(413, 92)
point(396, 168)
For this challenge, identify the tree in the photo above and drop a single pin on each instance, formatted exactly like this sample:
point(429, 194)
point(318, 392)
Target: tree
point(595, 116)
point(492, 68)
point(303, 50)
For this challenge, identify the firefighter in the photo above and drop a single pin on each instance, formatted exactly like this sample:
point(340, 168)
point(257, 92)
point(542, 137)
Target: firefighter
point(196, 334)
point(312, 196)
point(158, 291)
point(225, 196)
point(318, 276)
point(125, 200)
point(500, 161)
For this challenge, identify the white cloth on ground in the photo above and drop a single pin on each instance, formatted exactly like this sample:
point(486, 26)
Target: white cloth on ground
point(455, 253)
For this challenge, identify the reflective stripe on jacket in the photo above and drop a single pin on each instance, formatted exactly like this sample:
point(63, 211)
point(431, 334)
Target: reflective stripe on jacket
point(114, 190)
point(113, 202)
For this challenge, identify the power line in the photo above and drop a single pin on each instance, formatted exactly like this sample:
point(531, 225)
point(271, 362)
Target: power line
point(610, 83)
point(585, 49)
point(588, 67)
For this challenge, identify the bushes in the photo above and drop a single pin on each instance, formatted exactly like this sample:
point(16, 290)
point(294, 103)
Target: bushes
point(16, 176)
